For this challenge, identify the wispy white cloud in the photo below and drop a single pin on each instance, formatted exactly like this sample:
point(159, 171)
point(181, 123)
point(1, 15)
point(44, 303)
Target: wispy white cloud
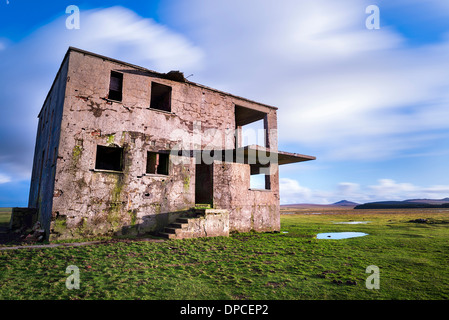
point(353, 91)
point(4, 179)
point(391, 190)
point(348, 188)
point(384, 190)
point(31, 65)
point(292, 192)
point(120, 33)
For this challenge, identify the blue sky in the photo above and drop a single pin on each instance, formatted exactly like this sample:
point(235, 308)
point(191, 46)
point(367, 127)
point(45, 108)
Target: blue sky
point(371, 105)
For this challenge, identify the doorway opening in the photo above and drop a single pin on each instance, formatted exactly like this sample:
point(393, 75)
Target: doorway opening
point(204, 184)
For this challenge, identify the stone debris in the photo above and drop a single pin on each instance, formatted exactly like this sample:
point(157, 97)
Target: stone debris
point(37, 234)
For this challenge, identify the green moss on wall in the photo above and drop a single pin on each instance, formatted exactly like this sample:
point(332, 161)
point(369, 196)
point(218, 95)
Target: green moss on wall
point(157, 208)
point(110, 139)
point(82, 228)
point(76, 154)
point(133, 214)
point(117, 190)
point(114, 217)
point(186, 183)
point(59, 227)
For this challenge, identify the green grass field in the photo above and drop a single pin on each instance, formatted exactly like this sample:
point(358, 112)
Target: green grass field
point(5, 215)
point(412, 258)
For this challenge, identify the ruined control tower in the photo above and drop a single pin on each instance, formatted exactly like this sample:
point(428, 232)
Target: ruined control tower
point(121, 149)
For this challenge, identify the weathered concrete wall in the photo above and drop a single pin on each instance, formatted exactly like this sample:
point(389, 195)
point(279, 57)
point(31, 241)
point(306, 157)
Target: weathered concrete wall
point(86, 202)
point(89, 202)
point(249, 209)
point(47, 148)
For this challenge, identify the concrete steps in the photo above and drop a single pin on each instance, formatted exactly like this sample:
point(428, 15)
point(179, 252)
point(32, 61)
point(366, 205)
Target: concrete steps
point(173, 229)
point(204, 222)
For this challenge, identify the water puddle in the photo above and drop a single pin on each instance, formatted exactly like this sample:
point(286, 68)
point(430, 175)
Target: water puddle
point(352, 222)
point(340, 235)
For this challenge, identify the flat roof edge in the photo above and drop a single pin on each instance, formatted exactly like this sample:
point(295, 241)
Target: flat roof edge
point(54, 81)
point(164, 74)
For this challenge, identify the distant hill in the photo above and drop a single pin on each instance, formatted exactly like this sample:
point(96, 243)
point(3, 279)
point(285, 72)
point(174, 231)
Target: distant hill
point(345, 203)
point(429, 201)
point(342, 203)
point(406, 204)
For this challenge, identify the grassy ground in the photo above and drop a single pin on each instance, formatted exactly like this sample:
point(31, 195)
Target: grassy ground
point(412, 257)
point(5, 215)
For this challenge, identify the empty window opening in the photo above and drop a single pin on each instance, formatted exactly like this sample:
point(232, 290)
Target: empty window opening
point(250, 127)
point(157, 163)
point(109, 158)
point(254, 134)
point(260, 178)
point(160, 97)
point(116, 86)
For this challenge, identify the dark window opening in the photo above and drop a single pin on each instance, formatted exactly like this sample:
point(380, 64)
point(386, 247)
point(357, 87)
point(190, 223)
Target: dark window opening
point(157, 163)
point(260, 177)
point(109, 158)
point(160, 97)
point(116, 86)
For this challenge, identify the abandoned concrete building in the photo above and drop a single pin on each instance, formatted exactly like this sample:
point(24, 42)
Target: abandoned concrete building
point(123, 150)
